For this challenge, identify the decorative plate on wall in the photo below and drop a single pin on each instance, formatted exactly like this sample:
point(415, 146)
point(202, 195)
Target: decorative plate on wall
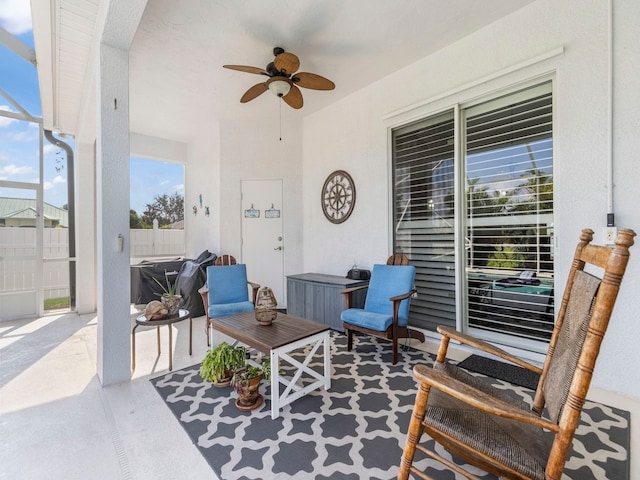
point(338, 196)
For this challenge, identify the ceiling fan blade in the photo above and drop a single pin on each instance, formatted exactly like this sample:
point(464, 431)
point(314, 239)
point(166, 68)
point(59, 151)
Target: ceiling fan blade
point(287, 62)
point(253, 92)
point(294, 97)
point(244, 68)
point(312, 81)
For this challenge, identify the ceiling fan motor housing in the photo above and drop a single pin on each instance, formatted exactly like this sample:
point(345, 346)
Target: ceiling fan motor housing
point(273, 71)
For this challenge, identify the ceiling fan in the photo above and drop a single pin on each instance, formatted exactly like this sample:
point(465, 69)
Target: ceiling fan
point(284, 79)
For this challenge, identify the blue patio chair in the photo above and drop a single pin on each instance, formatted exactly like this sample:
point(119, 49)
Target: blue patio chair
point(386, 307)
point(226, 293)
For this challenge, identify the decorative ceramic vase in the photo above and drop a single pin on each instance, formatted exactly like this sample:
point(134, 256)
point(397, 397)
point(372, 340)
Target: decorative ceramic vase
point(266, 304)
point(172, 303)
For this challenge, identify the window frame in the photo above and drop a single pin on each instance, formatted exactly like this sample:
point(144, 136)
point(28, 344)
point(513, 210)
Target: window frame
point(458, 108)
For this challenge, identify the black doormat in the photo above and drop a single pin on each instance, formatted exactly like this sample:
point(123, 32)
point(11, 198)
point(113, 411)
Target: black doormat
point(501, 370)
point(357, 429)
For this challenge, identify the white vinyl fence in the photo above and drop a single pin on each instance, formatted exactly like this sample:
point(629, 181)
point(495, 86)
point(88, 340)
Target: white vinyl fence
point(17, 256)
point(157, 242)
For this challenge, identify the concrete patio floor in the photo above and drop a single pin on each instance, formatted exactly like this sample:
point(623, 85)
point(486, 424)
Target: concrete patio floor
point(57, 422)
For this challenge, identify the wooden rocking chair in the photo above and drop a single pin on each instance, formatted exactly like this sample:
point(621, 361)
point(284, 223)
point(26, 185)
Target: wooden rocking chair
point(487, 428)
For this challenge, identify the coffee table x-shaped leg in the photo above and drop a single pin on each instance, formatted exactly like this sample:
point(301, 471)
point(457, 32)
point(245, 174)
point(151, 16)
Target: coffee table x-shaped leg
point(292, 388)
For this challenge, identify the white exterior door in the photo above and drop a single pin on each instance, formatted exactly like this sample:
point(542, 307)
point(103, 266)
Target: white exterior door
point(262, 235)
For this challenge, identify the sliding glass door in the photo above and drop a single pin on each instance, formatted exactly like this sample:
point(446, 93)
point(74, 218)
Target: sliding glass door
point(424, 207)
point(478, 223)
point(508, 164)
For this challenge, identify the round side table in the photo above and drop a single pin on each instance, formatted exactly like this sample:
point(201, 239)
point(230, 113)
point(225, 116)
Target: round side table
point(141, 320)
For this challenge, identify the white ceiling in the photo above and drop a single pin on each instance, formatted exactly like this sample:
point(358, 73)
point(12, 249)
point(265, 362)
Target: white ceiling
point(176, 75)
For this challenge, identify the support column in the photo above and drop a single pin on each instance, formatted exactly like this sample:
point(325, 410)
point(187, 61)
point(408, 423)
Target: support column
point(112, 185)
point(85, 182)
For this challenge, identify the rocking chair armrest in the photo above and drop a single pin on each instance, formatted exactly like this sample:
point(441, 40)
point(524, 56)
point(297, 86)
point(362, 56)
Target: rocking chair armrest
point(479, 399)
point(486, 347)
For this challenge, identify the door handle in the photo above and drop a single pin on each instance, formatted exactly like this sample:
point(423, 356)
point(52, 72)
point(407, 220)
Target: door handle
point(278, 248)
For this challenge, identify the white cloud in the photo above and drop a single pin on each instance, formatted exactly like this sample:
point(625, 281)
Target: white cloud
point(179, 189)
point(15, 16)
point(13, 170)
point(28, 135)
point(48, 148)
point(49, 185)
point(5, 121)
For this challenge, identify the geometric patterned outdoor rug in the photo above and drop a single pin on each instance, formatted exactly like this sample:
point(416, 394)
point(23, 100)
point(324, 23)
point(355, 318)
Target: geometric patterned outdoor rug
point(357, 429)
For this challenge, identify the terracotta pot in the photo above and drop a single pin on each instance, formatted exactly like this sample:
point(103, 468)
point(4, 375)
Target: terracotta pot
point(249, 397)
point(224, 382)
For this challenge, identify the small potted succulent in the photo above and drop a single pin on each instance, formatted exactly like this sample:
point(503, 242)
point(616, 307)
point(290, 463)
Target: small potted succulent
point(168, 297)
point(246, 382)
point(220, 363)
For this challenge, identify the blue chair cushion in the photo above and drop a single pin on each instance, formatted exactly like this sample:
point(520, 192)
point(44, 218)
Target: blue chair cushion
point(371, 320)
point(386, 281)
point(225, 309)
point(227, 284)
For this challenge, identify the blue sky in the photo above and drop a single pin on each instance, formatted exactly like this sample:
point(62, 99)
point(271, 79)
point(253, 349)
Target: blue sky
point(19, 139)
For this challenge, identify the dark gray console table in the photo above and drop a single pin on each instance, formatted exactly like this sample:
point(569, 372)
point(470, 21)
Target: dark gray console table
point(317, 297)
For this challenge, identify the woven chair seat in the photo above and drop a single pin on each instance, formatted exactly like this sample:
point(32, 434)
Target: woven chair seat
point(523, 447)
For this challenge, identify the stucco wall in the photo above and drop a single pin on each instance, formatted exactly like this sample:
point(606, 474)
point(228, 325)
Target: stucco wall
point(253, 150)
point(202, 177)
point(617, 368)
point(353, 135)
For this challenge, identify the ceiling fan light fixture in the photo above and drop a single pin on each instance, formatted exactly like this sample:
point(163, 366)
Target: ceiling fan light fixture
point(279, 87)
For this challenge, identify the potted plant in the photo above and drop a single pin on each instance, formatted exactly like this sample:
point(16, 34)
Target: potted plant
point(168, 297)
point(220, 363)
point(246, 383)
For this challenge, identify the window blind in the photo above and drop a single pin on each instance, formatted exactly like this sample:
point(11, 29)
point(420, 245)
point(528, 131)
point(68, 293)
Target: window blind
point(506, 206)
point(423, 211)
point(509, 214)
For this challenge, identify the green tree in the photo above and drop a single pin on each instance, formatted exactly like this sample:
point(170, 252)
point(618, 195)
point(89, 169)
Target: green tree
point(167, 209)
point(481, 202)
point(135, 221)
point(537, 192)
point(506, 256)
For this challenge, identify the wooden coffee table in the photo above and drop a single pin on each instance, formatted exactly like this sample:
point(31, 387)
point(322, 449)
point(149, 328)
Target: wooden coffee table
point(285, 335)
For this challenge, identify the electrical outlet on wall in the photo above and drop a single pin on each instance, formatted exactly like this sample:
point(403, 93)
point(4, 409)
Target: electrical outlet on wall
point(609, 234)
